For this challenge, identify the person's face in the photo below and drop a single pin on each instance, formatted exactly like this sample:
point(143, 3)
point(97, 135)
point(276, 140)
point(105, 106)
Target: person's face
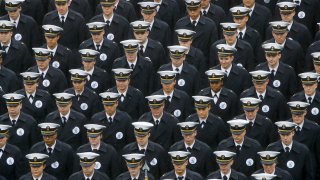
point(37, 171)
point(97, 37)
point(64, 109)
point(185, 43)
point(225, 61)
point(168, 88)
point(52, 41)
point(177, 62)
point(287, 138)
point(248, 3)
point(5, 37)
point(317, 68)
point(189, 138)
point(49, 140)
point(78, 85)
point(122, 85)
point(225, 168)
point(3, 141)
point(298, 118)
point(14, 110)
point(134, 171)
point(261, 87)
point(241, 21)
point(43, 65)
point(142, 141)
point(95, 141)
point(88, 170)
point(251, 115)
point(88, 65)
point(141, 35)
point(287, 17)
point(30, 88)
point(62, 8)
point(280, 38)
point(157, 112)
point(131, 57)
point(194, 13)
point(110, 110)
point(216, 86)
point(230, 39)
point(238, 138)
point(269, 169)
point(148, 17)
point(203, 112)
point(107, 10)
point(181, 168)
point(273, 59)
point(14, 14)
point(205, 4)
point(310, 89)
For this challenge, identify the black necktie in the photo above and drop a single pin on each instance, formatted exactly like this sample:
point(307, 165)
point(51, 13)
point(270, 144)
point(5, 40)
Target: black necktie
point(215, 98)
point(78, 97)
point(240, 35)
point(14, 122)
point(95, 150)
point(238, 148)
point(180, 178)
point(189, 149)
point(141, 50)
point(309, 100)
point(62, 20)
point(177, 69)
point(49, 151)
point(298, 129)
point(202, 124)
point(108, 25)
point(287, 149)
point(87, 178)
point(249, 126)
point(204, 13)
point(194, 23)
point(98, 47)
point(261, 97)
point(272, 75)
point(31, 99)
point(167, 103)
point(142, 151)
point(4, 48)
point(64, 121)
point(157, 123)
point(225, 177)
point(121, 97)
point(110, 120)
point(135, 179)
point(132, 66)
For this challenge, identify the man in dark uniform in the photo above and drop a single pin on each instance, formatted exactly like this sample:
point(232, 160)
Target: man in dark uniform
point(177, 103)
point(117, 27)
point(119, 131)
point(60, 160)
point(213, 11)
point(38, 103)
point(26, 29)
point(225, 160)
point(259, 127)
point(156, 158)
point(8, 79)
point(259, 16)
point(244, 55)
point(246, 159)
point(61, 57)
point(313, 48)
point(149, 48)
point(194, 56)
point(73, 24)
point(269, 161)
point(12, 162)
point(37, 163)
point(131, 99)
point(71, 122)
point(316, 63)
point(181, 172)
point(205, 28)
point(273, 103)
point(297, 30)
point(169, 11)
point(84, 100)
point(201, 157)
point(98, 79)
point(108, 49)
point(142, 76)
point(108, 162)
point(294, 157)
point(51, 79)
point(159, 30)
point(306, 132)
point(292, 53)
point(187, 77)
point(236, 77)
point(136, 168)
point(24, 131)
point(225, 102)
point(88, 163)
point(310, 94)
point(282, 76)
point(16, 56)
point(211, 128)
point(165, 131)
point(241, 16)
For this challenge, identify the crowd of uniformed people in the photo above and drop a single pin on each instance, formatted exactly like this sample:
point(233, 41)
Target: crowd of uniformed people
point(159, 89)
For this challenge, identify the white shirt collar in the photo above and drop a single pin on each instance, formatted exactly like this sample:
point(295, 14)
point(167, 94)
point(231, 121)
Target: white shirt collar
point(236, 144)
point(44, 72)
point(65, 16)
point(290, 25)
point(252, 9)
point(180, 68)
point(284, 146)
point(226, 70)
point(17, 21)
point(191, 146)
point(314, 94)
point(107, 115)
point(97, 148)
point(90, 72)
point(207, 9)
point(7, 49)
point(197, 20)
point(95, 44)
point(300, 125)
point(243, 31)
point(66, 116)
point(53, 146)
point(234, 44)
point(263, 94)
point(145, 148)
point(144, 45)
point(90, 177)
point(203, 120)
point(250, 120)
point(110, 19)
point(275, 69)
point(124, 93)
point(151, 24)
point(53, 50)
point(282, 45)
point(217, 93)
point(184, 175)
point(171, 94)
point(228, 175)
point(137, 177)
point(134, 62)
point(39, 178)
point(15, 118)
point(158, 118)
point(33, 94)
